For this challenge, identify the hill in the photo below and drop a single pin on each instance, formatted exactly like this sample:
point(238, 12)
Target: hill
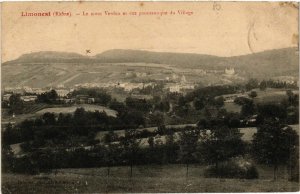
point(49, 57)
point(269, 62)
point(278, 57)
point(136, 56)
point(49, 68)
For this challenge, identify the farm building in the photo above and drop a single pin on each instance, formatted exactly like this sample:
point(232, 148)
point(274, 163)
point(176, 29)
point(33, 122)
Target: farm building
point(62, 92)
point(84, 99)
point(232, 97)
point(69, 100)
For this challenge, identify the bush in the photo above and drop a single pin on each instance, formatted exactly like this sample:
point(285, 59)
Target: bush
point(25, 165)
point(235, 168)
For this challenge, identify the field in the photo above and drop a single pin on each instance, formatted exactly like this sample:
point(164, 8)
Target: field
point(232, 107)
point(69, 74)
point(40, 109)
point(167, 178)
point(271, 95)
point(71, 109)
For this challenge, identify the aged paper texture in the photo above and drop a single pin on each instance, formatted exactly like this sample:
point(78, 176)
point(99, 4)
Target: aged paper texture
point(137, 97)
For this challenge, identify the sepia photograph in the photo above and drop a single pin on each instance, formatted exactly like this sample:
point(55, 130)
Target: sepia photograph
point(149, 97)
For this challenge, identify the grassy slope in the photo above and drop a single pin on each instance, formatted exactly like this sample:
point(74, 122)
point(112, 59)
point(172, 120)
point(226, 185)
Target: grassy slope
point(271, 95)
point(168, 178)
point(36, 110)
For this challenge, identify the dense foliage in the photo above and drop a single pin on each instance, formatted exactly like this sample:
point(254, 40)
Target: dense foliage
point(68, 140)
point(274, 143)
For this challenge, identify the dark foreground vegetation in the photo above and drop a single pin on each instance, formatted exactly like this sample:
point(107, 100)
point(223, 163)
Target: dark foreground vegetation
point(52, 142)
point(145, 179)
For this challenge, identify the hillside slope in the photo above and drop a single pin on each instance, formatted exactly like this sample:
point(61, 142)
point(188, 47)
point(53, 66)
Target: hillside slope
point(47, 68)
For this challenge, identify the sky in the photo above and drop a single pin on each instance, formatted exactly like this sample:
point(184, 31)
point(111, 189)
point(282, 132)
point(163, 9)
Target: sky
point(222, 29)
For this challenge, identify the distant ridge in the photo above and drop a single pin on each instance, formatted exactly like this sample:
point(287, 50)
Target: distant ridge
point(49, 68)
point(48, 57)
point(50, 54)
point(280, 58)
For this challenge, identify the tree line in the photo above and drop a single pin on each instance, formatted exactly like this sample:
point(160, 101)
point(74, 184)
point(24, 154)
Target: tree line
point(215, 144)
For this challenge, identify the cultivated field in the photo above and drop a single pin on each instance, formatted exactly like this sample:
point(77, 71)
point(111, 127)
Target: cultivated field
point(69, 74)
point(167, 178)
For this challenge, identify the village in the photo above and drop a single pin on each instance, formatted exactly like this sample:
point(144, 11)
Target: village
point(97, 111)
point(149, 97)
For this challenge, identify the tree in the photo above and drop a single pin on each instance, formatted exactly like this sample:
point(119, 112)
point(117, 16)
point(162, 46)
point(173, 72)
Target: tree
point(110, 156)
point(27, 130)
point(181, 101)
point(132, 118)
point(16, 104)
point(273, 144)
point(198, 103)
point(248, 109)
point(232, 120)
point(220, 144)
point(138, 104)
point(263, 85)
point(111, 136)
point(157, 119)
point(118, 106)
point(171, 147)
point(48, 97)
point(163, 106)
point(272, 111)
point(80, 120)
point(253, 94)
point(188, 146)
point(219, 101)
point(130, 147)
point(151, 142)
point(8, 135)
point(49, 118)
point(7, 158)
point(294, 164)
point(293, 99)
point(252, 83)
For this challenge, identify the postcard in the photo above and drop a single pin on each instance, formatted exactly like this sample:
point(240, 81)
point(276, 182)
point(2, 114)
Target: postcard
point(149, 97)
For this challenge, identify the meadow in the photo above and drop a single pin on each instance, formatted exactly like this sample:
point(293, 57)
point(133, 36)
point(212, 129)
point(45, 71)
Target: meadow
point(150, 178)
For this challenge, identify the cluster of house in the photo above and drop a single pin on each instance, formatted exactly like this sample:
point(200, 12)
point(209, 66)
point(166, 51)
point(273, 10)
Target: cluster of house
point(177, 84)
point(287, 79)
point(127, 86)
point(24, 98)
point(24, 89)
point(28, 94)
point(180, 86)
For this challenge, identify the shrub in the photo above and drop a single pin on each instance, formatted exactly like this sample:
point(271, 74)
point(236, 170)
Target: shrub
point(235, 168)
